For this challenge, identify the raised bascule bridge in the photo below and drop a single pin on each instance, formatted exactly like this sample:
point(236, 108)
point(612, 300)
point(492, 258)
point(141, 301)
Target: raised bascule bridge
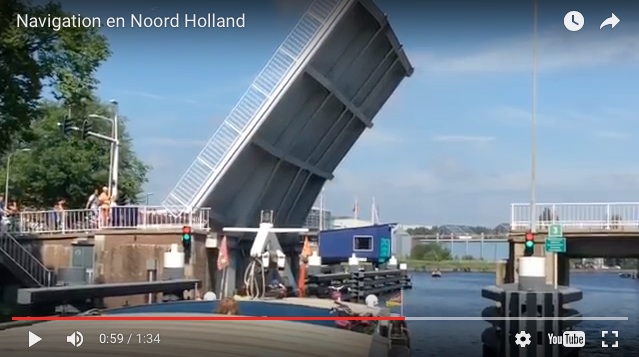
point(273, 153)
point(297, 121)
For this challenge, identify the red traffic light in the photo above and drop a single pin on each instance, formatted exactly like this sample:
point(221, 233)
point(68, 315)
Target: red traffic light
point(530, 236)
point(186, 230)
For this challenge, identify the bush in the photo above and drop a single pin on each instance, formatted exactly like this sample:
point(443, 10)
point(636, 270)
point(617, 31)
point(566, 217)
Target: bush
point(430, 252)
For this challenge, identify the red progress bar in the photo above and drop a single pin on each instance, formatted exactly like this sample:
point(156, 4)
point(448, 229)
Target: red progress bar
point(206, 318)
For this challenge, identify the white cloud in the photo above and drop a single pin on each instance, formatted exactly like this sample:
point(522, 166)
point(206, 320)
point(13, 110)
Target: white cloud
point(556, 52)
point(158, 97)
point(612, 135)
point(172, 142)
point(468, 139)
point(378, 136)
point(519, 116)
point(144, 95)
point(569, 120)
point(289, 7)
point(449, 192)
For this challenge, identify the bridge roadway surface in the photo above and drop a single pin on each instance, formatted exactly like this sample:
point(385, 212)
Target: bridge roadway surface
point(592, 229)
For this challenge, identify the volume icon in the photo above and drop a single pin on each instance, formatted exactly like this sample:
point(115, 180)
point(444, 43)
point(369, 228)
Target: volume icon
point(76, 339)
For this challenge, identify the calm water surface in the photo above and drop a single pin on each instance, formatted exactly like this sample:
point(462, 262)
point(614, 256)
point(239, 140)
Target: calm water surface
point(459, 295)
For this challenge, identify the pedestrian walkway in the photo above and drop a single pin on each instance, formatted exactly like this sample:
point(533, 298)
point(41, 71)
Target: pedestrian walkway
point(53, 222)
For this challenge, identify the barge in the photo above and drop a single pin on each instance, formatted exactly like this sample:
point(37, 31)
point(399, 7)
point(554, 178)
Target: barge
point(173, 337)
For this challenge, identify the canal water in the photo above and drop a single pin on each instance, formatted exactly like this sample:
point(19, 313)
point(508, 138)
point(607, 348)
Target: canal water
point(459, 295)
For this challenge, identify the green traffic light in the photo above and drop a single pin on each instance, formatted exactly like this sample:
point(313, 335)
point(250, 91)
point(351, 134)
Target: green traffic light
point(186, 237)
point(529, 244)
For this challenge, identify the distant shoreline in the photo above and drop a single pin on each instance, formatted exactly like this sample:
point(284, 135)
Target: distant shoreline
point(478, 266)
point(604, 271)
point(475, 270)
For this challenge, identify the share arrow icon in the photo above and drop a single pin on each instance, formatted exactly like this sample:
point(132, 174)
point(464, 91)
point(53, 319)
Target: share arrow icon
point(612, 21)
point(33, 339)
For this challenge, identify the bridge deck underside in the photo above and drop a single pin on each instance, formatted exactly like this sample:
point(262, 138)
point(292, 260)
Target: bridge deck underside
point(314, 124)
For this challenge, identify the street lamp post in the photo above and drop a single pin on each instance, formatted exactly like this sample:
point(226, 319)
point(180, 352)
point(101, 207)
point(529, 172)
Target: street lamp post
point(111, 121)
point(533, 156)
point(146, 200)
point(116, 150)
point(114, 157)
point(6, 184)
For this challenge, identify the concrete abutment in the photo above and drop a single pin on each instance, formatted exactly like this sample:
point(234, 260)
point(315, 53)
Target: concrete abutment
point(605, 244)
point(123, 256)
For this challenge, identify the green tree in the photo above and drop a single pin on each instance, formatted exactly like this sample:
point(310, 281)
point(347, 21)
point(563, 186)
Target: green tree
point(58, 167)
point(421, 231)
point(430, 252)
point(31, 58)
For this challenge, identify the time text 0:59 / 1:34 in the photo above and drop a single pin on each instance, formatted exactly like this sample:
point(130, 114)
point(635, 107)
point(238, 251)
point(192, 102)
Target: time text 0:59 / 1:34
point(129, 338)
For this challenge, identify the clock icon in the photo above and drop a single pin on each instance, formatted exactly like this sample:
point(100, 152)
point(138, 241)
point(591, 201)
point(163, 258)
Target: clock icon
point(574, 21)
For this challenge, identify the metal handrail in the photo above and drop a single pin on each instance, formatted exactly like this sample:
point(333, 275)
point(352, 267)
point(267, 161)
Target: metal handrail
point(577, 215)
point(120, 217)
point(26, 261)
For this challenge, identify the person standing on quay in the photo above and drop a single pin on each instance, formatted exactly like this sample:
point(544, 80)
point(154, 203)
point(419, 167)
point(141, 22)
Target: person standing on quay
point(105, 206)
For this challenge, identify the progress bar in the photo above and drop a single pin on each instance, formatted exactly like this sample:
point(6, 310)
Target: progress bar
point(584, 318)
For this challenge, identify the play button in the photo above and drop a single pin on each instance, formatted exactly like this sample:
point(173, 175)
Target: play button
point(33, 339)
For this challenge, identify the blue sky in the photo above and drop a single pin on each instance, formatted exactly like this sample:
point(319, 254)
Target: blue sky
point(453, 143)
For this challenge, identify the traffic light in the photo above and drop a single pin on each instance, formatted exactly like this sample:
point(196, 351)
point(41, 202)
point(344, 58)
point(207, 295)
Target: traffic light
point(65, 125)
point(529, 245)
point(86, 128)
point(186, 238)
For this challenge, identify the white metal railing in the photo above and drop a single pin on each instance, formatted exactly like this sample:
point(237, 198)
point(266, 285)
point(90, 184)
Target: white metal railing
point(120, 217)
point(251, 107)
point(577, 216)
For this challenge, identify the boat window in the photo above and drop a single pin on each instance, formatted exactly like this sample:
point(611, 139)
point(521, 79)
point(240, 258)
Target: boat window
point(362, 243)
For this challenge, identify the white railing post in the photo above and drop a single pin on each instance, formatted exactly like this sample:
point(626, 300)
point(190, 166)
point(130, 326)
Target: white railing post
point(512, 216)
point(21, 223)
point(607, 215)
point(145, 216)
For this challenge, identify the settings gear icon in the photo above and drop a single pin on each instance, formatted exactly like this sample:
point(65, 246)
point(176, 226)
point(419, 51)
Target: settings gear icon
point(522, 339)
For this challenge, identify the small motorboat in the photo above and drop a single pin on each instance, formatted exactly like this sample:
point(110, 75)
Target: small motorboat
point(391, 303)
point(395, 301)
point(628, 275)
point(436, 274)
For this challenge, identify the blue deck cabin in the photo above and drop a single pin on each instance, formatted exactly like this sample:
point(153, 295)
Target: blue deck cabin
point(373, 243)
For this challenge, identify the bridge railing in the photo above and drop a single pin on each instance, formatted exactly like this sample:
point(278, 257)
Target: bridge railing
point(120, 217)
point(250, 109)
point(577, 216)
point(469, 237)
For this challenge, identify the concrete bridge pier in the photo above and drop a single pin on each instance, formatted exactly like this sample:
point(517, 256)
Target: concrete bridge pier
point(233, 276)
point(239, 252)
point(563, 265)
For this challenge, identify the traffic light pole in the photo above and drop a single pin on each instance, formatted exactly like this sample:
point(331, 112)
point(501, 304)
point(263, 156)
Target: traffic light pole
point(97, 135)
point(116, 153)
point(555, 278)
point(115, 144)
point(114, 156)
